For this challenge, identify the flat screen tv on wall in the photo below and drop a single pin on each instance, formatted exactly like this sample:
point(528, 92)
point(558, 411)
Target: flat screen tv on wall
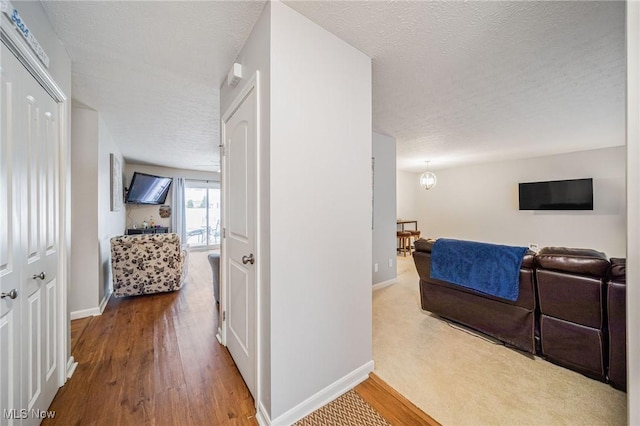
point(572, 194)
point(148, 189)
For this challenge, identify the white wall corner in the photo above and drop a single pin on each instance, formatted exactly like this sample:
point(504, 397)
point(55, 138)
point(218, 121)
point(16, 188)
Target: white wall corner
point(325, 396)
point(105, 300)
point(262, 417)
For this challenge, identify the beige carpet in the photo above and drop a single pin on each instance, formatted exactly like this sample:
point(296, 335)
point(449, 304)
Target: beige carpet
point(460, 379)
point(347, 410)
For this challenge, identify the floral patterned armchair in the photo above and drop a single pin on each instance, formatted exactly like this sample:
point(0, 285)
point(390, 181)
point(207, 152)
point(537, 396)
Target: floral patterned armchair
point(147, 263)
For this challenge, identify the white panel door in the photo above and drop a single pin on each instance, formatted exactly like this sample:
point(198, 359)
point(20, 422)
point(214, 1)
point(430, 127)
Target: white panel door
point(10, 274)
point(240, 217)
point(31, 144)
point(39, 236)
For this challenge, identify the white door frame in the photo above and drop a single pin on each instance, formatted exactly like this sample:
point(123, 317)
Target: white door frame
point(25, 55)
point(253, 83)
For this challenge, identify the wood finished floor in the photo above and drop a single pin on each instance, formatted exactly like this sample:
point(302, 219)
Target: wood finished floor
point(154, 360)
point(395, 408)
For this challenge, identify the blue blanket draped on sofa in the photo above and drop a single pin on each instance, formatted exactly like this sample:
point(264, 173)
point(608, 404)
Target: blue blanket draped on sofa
point(488, 268)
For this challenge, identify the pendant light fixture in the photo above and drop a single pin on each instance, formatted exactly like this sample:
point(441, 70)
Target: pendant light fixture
point(427, 179)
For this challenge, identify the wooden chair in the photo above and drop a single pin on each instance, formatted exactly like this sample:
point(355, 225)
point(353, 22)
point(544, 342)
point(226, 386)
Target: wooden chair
point(404, 241)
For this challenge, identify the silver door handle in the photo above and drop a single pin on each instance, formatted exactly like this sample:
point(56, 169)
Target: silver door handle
point(248, 259)
point(40, 276)
point(11, 295)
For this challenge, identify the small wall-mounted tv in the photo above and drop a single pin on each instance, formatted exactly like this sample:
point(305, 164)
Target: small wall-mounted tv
point(148, 189)
point(572, 194)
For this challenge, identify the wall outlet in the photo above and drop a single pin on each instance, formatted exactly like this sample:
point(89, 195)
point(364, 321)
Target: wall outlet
point(533, 247)
point(375, 267)
point(390, 263)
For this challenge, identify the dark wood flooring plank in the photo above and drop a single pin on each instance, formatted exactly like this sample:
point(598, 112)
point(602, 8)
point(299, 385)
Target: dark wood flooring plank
point(77, 328)
point(171, 409)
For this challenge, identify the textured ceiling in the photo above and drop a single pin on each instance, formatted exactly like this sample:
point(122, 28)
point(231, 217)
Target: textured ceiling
point(453, 82)
point(153, 70)
point(464, 82)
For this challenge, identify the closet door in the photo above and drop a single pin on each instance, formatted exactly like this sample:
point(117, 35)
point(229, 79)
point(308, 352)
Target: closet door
point(31, 141)
point(39, 247)
point(10, 273)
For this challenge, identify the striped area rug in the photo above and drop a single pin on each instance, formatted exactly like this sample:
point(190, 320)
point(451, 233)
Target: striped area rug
point(348, 410)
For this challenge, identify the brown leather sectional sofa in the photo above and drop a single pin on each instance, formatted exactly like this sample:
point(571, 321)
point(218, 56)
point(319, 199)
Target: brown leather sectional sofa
point(617, 324)
point(570, 309)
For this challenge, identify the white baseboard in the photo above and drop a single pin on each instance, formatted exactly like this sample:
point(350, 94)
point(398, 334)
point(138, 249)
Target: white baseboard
point(104, 302)
point(85, 313)
point(71, 367)
point(261, 416)
point(384, 284)
point(91, 312)
point(325, 396)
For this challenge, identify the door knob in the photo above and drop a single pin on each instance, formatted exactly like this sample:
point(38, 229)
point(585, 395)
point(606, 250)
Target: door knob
point(248, 259)
point(11, 295)
point(40, 276)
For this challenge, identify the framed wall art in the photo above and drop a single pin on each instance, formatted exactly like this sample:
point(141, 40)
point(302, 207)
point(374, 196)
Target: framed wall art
point(116, 183)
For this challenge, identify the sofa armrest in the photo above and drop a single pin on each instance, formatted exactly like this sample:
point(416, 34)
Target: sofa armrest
point(424, 245)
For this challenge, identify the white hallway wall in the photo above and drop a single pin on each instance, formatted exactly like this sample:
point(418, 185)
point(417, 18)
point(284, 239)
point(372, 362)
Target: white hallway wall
point(311, 341)
point(481, 203)
point(93, 222)
point(407, 192)
point(384, 209)
point(633, 206)
point(110, 223)
point(320, 294)
point(83, 289)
